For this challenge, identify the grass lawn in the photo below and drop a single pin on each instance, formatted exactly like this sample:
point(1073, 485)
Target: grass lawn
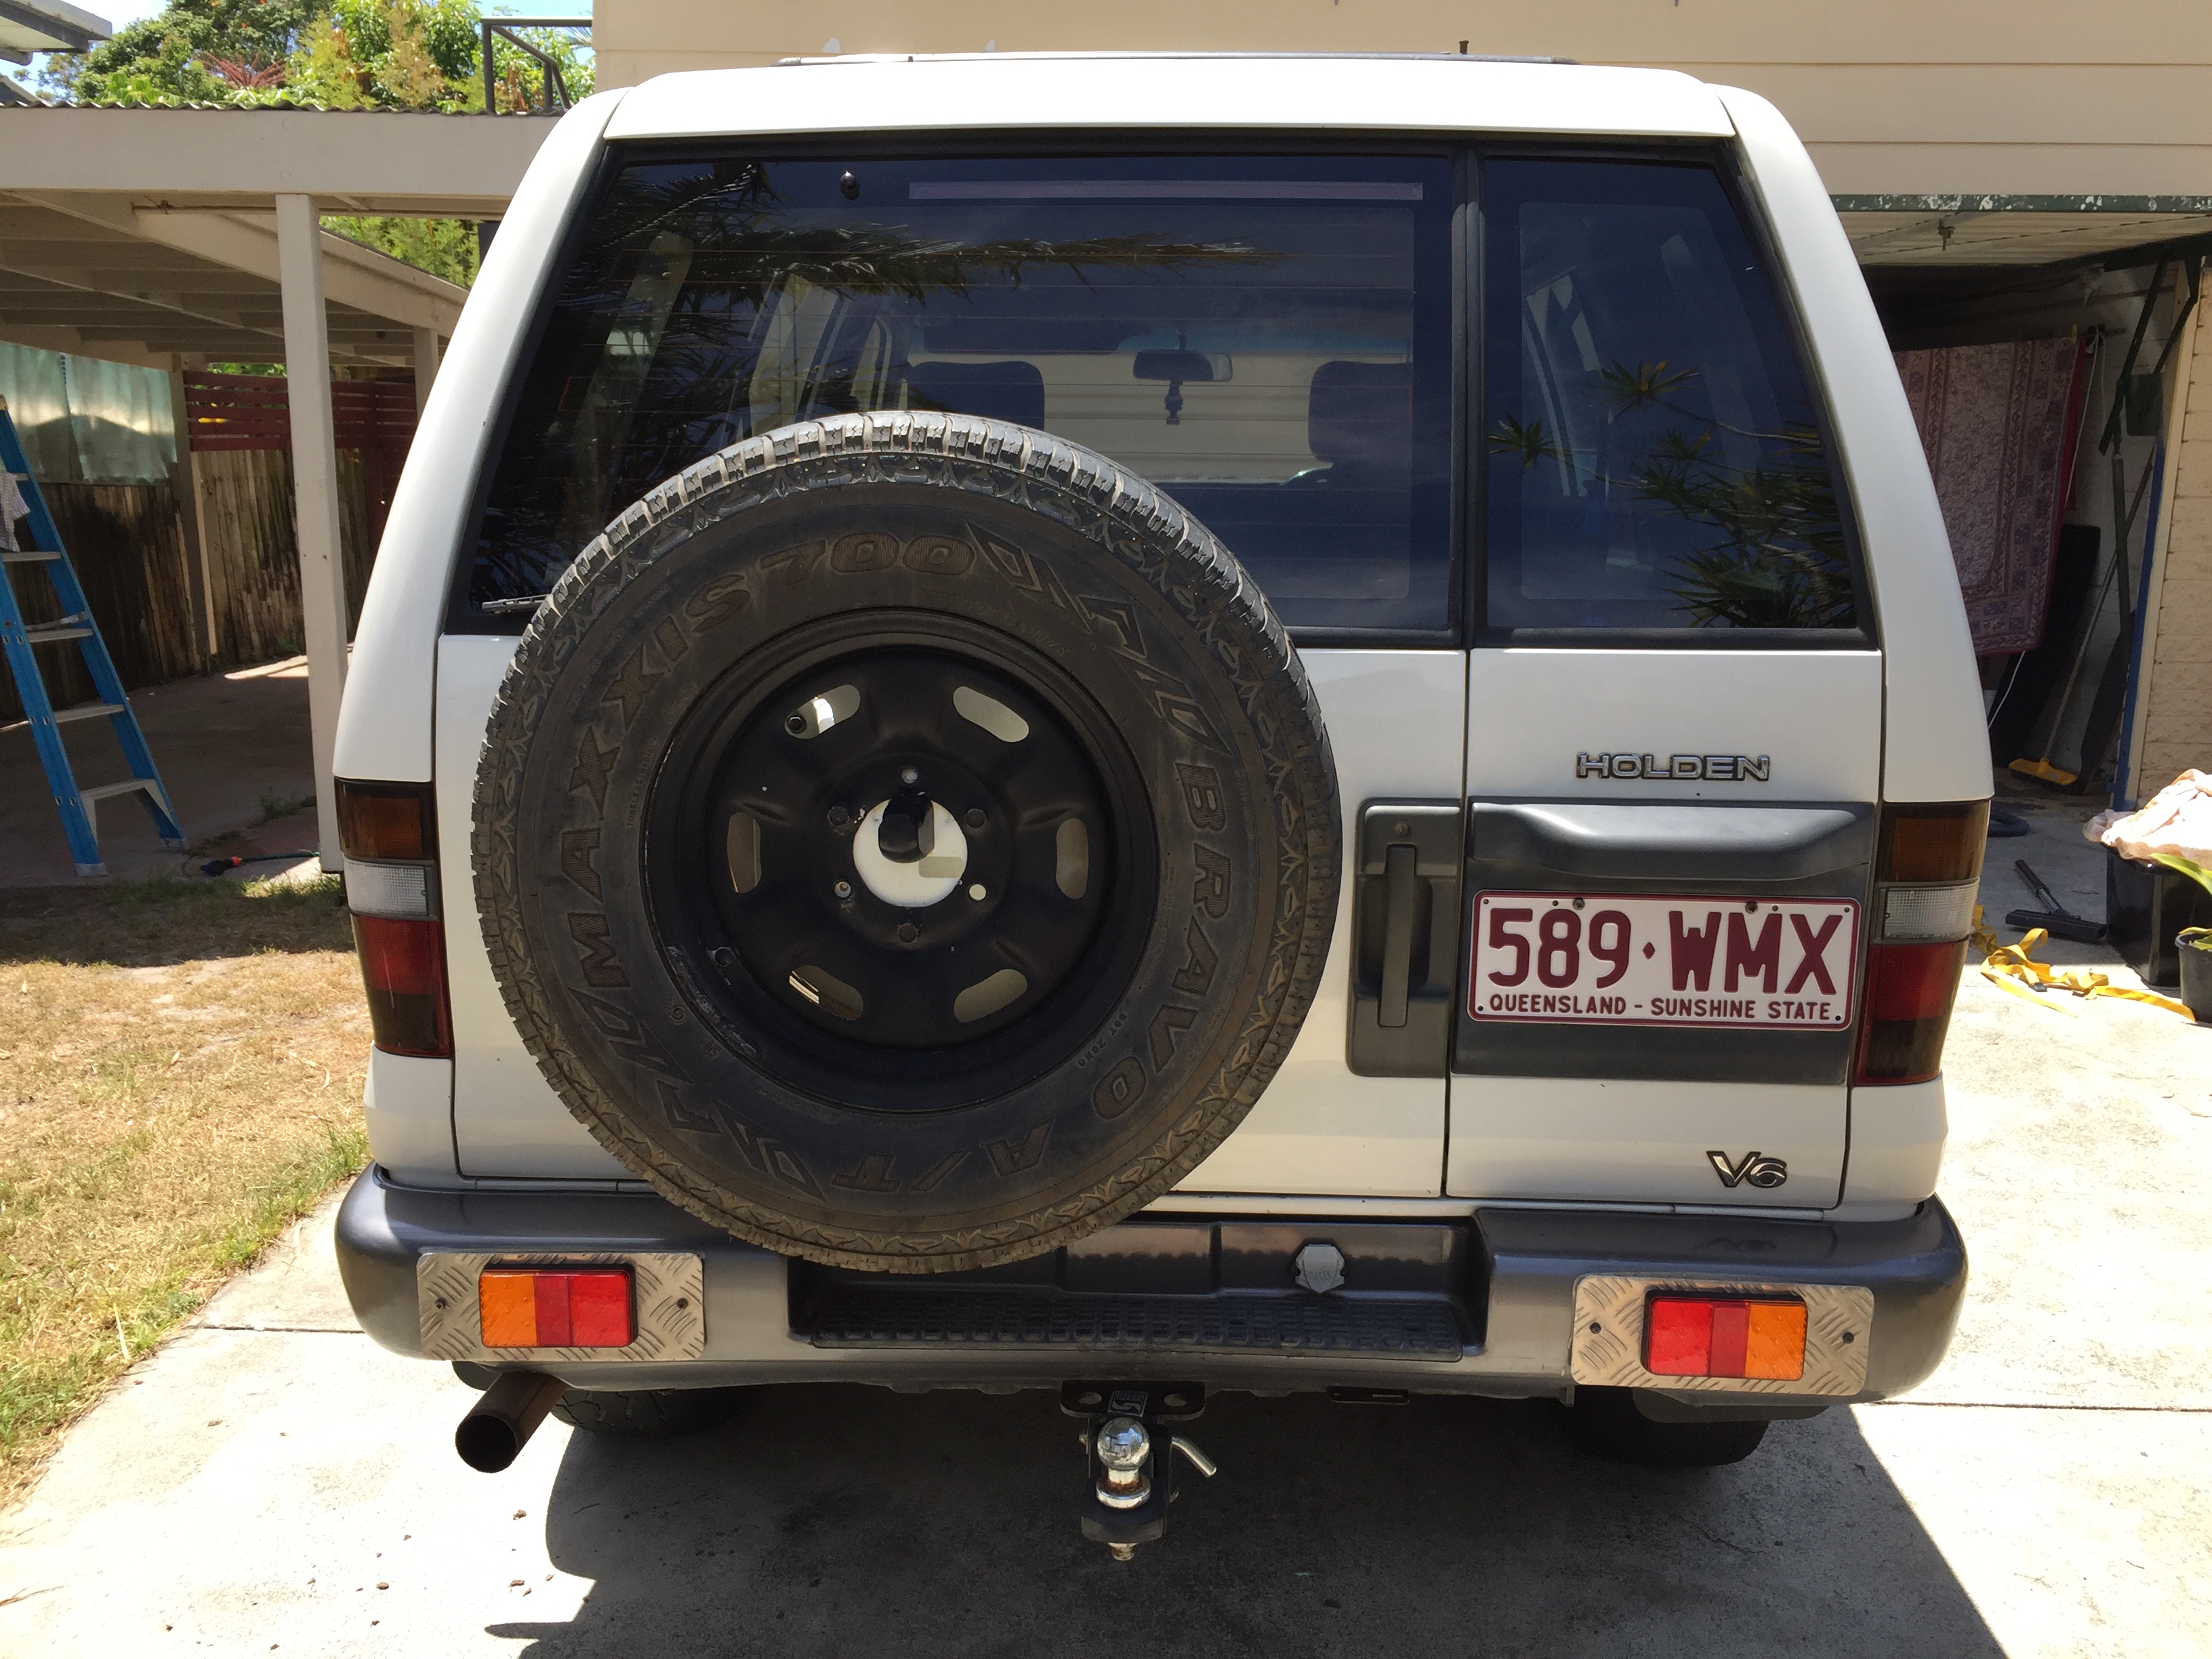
point(180, 1077)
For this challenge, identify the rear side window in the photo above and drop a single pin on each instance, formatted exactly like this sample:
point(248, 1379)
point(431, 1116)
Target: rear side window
point(1652, 457)
point(1268, 339)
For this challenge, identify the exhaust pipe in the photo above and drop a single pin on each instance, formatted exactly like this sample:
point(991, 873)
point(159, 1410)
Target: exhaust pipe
point(494, 1433)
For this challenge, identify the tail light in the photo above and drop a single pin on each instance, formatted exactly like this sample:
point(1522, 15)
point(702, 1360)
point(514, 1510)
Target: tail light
point(1926, 869)
point(388, 834)
point(1690, 1336)
point(540, 1308)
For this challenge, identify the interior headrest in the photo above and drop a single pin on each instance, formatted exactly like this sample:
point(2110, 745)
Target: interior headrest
point(1360, 415)
point(1012, 391)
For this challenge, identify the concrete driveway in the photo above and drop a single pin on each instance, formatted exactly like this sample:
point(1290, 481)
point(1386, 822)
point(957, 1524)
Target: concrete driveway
point(271, 1482)
point(228, 746)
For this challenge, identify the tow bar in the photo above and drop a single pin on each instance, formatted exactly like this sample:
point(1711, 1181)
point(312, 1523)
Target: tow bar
point(1131, 1478)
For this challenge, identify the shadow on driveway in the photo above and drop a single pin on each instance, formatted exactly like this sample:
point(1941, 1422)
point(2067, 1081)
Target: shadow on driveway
point(845, 1520)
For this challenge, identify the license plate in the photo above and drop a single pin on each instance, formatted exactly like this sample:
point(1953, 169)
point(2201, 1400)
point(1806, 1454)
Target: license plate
point(1611, 959)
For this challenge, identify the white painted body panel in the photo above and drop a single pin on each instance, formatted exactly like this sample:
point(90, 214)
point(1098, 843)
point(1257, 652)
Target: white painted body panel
point(1531, 712)
point(507, 1122)
point(409, 1102)
point(1935, 746)
point(1641, 1142)
point(1818, 714)
point(1393, 725)
point(1017, 91)
point(1896, 1148)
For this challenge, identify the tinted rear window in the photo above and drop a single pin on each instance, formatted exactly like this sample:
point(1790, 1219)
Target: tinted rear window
point(1267, 339)
point(1653, 458)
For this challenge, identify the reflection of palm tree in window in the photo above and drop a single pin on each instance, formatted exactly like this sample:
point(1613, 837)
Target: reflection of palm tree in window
point(1779, 560)
point(728, 316)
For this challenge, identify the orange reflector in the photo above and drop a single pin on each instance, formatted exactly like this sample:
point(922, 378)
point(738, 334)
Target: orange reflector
point(555, 1308)
point(1690, 1336)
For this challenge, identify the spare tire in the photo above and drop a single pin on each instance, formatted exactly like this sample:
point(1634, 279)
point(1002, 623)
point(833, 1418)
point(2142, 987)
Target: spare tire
point(909, 842)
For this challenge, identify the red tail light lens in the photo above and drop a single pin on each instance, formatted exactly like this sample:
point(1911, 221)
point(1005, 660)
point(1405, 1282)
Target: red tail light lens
point(1909, 993)
point(403, 964)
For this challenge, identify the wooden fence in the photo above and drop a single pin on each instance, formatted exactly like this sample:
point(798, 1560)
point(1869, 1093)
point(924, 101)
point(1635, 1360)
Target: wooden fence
point(253, 549)
point(129, 544)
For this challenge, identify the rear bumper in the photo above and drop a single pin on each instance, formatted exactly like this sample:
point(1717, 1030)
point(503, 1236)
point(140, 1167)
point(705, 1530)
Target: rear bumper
point(1504, 1279)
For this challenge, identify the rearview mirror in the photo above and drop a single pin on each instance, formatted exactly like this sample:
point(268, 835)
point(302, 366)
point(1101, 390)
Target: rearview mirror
point(1193, 367)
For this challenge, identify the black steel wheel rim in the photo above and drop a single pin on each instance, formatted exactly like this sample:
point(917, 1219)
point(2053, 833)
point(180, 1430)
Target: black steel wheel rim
point(847, 950)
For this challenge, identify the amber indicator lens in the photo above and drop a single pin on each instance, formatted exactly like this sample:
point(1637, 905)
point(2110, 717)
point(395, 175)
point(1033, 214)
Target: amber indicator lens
point(385, 821)
point(583, 1307)
point(1942, 842)
point(1909, 992)
point(1750, 1337)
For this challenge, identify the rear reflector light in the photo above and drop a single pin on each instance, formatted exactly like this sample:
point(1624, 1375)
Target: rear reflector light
point(1907, 1010)
point(402, 965)
point(403, 891)
point(557, 1308)
point(1907, 912)
point(1753, 1338)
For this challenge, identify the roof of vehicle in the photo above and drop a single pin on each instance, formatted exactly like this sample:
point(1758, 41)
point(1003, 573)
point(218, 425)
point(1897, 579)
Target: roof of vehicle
point(1029, 91)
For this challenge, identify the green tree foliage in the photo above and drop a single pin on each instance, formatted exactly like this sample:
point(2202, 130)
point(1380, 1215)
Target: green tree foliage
point(329, 54)
point(390, 54)
point(443, 247)
point(333, 54)
point(200, 51)
point(1776, 559)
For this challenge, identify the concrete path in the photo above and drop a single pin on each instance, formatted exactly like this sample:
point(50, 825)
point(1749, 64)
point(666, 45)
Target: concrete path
point(272, 1482)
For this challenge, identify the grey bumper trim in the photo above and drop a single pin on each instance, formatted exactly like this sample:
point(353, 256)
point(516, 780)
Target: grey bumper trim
point(1531, 1261)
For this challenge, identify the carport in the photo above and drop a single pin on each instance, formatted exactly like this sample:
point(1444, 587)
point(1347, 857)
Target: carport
point(2115, 679)
point(171, 238)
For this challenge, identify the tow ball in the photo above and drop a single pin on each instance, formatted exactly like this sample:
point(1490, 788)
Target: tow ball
point(1132, 1475)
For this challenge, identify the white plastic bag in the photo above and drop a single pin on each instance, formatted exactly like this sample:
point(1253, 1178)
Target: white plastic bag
point(2175, 824)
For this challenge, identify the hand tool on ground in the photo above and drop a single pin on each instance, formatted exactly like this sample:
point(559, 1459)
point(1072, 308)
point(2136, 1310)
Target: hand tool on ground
point(224, 866)
point(2056, 920)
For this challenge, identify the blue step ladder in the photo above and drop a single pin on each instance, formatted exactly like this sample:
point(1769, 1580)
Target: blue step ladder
point(79, 808)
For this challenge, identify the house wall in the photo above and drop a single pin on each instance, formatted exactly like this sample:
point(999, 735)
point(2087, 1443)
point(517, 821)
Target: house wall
point(2016, 96)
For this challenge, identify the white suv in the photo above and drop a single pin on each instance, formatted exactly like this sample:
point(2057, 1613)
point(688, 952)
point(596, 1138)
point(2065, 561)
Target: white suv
point(1133, 723)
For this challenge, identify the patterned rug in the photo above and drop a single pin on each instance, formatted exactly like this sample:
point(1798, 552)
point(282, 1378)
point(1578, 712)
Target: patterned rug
point(1999, 424)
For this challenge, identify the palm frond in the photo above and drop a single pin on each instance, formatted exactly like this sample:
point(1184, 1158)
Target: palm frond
point(1529, 442)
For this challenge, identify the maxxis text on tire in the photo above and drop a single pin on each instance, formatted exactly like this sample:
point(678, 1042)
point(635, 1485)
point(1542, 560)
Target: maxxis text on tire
point(694, 773)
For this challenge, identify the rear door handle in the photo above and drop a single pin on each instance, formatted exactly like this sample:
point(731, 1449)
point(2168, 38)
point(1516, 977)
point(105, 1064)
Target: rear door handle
point(1400, 887)
point(1405, 927)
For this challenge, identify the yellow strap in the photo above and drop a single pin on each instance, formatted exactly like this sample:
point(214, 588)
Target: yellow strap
point(2014, 966)
point(2025, 994)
